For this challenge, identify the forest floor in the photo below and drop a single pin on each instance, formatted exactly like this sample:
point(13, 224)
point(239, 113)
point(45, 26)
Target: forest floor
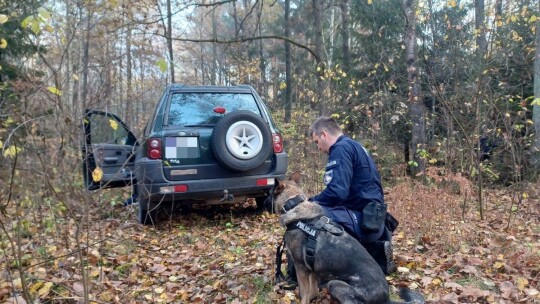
point(227, 255)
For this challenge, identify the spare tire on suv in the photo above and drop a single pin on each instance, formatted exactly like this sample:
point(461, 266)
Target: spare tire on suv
point(241, 141)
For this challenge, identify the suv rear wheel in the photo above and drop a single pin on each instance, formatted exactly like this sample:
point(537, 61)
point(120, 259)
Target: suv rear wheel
point(241, 141)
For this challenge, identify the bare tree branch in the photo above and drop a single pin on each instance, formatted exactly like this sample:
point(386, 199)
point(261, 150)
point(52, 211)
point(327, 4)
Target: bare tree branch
point(245, 39)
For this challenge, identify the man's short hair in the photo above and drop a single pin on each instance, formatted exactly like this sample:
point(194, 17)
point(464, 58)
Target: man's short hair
point(324, 123)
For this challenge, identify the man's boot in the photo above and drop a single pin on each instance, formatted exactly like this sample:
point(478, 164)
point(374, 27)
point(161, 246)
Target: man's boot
point(382, 253)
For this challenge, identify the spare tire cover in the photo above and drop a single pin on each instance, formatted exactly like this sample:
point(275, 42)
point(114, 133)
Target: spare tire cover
point(241, 141)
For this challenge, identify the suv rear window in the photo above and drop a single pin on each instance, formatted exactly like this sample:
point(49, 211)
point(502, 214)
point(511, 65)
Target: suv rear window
point(198, 108)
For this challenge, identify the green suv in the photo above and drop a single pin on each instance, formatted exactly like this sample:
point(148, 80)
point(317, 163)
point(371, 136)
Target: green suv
point(202, 145)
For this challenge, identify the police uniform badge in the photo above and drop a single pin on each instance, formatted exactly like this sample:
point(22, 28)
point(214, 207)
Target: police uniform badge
point(328, 176)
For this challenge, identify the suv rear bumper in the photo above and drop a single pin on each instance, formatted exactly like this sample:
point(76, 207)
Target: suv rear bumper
point(149, 174)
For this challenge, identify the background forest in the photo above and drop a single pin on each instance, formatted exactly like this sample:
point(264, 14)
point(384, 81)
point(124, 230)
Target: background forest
point(442, 93)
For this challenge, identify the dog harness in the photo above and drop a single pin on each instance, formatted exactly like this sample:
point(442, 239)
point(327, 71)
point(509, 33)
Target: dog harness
point(311, 227)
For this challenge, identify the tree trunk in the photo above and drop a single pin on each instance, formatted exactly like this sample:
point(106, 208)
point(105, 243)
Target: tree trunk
point(85, 60)
point(536, 106)
point(129, 89)
point(214, 48)
point(480, 28)
point(345, 49)
point(344, 8)
point(201, 46)
point(417, 108)
point(288, 76)
point(317, 27)
point(262, 62)
point(168, 34)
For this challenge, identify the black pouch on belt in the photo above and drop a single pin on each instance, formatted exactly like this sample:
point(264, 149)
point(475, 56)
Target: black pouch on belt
point(373, 216)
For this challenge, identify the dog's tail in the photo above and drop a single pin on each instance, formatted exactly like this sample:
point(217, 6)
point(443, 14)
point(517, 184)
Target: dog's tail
point(411, 296)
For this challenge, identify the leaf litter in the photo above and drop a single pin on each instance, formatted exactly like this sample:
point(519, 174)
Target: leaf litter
point(227, 254)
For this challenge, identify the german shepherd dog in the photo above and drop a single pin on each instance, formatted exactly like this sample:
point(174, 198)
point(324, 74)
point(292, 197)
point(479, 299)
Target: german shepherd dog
point(339, 261)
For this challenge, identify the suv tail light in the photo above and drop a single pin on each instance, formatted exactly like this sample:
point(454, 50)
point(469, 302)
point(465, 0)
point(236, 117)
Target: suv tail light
point(153, 148)
point(277, 143)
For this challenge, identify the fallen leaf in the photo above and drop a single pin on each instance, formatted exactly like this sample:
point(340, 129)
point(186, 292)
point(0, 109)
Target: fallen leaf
point(521, 283)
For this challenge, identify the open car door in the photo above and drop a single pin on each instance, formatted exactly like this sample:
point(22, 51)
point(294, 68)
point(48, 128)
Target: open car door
point(108, 151)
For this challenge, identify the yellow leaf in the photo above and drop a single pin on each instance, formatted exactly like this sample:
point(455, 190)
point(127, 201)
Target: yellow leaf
point(498, 265)
point(43, 13)
point(35, 287)
point(107, 296)
point(34, 26)
point(44, 291)
point(162, 65)
point(3, 18)
point(499, 23)
point(436, 282)
point(27, 21)
point(533, 18)
point(369, 2)
point(525, 195)
point(97, 174)
point(3, 43)
point(95, 273)
point(113, 124)
point(513, 18)
point(1, 144)
point(452, 3)
point(282, 85)
point(75, 77)
point(55, 91)
point(522, 283)
point(12, 151)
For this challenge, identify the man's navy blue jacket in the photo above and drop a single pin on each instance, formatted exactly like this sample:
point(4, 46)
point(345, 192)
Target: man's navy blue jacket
point(351, 178)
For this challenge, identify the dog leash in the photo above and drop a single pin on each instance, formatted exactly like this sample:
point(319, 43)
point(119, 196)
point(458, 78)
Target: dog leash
point(279, 255)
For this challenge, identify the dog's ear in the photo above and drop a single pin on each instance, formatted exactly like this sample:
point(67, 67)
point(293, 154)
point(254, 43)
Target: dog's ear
point(296, 177)
point(278, 188)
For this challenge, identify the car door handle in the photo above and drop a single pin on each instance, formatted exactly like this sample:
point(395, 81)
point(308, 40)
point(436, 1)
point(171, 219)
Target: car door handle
point(110, 160)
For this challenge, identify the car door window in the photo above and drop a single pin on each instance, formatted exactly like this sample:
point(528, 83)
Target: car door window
point(107, 130)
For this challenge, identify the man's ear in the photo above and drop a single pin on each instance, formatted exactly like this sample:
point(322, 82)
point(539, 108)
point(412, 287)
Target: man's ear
point(296, 176)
